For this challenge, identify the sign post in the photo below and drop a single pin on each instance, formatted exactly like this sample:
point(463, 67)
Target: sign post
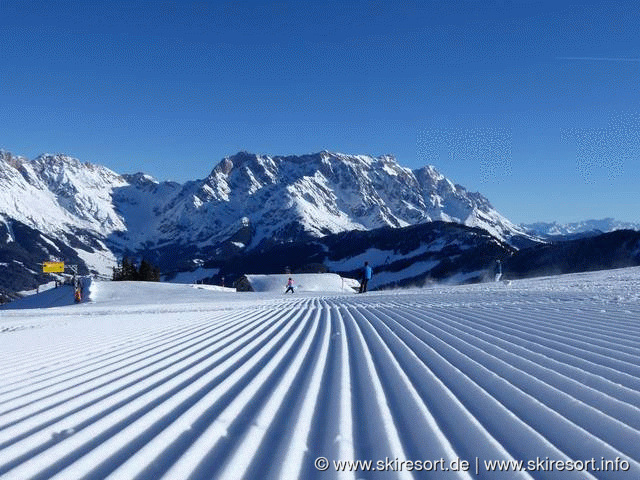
point(53, 267)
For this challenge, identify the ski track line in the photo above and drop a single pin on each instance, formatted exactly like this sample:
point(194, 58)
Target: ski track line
point(217, 439)
point(544, 320)
point(103, 353)
point(295, 455)
point(524, 325)
point(94, 420)
point(552, 425)
point(161, 427)
point(253, 450)
point(523, 343)
point(580, 316)
point(329, 431)
point(87, 464)
point(115, 361)
point(449, 414)
point(561, 346)
point(571, 382)
point(418, 428)
point(242, 390)
point(623, 386)
point(614, 432)
point(512, 433)
point(120, 381)
point(380, 438)
point(97, 321)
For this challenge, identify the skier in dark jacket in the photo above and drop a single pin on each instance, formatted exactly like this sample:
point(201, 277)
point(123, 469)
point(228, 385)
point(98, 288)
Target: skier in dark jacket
point(367, 273)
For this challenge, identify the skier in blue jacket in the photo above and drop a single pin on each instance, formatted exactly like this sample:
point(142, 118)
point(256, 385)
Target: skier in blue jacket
point(367, 273)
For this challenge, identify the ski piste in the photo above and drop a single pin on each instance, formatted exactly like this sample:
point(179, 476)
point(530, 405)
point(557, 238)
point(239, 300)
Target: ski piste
point(149, 380)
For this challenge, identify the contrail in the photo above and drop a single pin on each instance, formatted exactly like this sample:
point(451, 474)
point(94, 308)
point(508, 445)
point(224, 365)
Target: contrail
point(601, 59)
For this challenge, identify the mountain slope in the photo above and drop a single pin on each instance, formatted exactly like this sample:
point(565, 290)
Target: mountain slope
point(414, 255)
point(293, 197)
point(247, 202)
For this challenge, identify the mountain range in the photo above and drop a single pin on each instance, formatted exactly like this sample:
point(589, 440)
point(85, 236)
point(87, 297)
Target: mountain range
point(57, 207)
point(551, 230)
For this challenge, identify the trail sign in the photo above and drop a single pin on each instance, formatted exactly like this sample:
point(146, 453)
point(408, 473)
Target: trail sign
point(53, 267)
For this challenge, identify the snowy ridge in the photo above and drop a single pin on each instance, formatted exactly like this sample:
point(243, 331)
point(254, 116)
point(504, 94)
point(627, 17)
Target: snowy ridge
point(258, 386)
point(322, 193)
point(554, 228)
point(57, 194)
point(63, 199)
point(246, 199)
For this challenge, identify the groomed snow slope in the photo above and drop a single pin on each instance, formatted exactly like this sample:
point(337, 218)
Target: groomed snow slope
point(179, 383)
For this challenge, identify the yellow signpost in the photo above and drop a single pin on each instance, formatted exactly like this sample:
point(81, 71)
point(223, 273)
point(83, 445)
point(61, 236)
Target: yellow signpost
point(53, 267)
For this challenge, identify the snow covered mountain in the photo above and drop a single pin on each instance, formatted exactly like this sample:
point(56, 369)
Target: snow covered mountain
point(63, 200)
point(605, 225)
point(59, 194)
point(247, 201)
point(290, 197)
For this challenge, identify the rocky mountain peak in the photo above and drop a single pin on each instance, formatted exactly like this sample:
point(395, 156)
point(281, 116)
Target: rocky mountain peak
point(12, 160)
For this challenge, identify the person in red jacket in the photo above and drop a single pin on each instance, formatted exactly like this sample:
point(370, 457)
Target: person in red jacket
point(289, 286)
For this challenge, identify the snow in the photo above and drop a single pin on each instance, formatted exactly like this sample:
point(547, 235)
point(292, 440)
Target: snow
point(101, 262)
point(168, 381)
point(413, 270)
point(46, 298)
point(376, 256)
point(323, 193)
point(307, 282)
point(555, 228)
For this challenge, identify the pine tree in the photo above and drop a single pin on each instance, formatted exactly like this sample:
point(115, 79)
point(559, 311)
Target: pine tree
point(145, 272)
point(155, 274)
point(127, 271)
point(117, 273)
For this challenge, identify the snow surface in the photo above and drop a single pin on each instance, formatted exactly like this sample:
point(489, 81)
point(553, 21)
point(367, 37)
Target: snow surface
point(153, 380)
point(306, 282)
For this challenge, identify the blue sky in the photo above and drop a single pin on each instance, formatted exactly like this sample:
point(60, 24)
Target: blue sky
point(534, 104)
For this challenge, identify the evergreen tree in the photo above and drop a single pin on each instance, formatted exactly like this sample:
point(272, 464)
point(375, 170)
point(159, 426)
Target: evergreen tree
point(127, 271)
point(117, 273)
point(155, 274)
point(145, 272)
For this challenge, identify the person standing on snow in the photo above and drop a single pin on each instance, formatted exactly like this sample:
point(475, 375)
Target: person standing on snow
point(367, 273)
point(289, 286)
point(498, 271)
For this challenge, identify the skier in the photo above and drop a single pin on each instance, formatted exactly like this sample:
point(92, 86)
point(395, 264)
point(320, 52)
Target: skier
point(367, 273)
point(78, 295)
point(289, 286)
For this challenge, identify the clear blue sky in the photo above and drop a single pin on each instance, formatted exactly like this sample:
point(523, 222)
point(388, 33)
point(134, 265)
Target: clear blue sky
point(534, 104)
